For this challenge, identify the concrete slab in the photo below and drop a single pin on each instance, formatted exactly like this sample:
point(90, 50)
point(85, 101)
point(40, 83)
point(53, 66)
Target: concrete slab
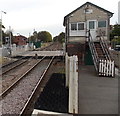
point(48, 113)
point(97, 95)
point(45, 53)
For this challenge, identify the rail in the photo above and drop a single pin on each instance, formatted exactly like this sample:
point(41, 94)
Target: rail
point(15, 64)
point(4, 93)
point(35, 91)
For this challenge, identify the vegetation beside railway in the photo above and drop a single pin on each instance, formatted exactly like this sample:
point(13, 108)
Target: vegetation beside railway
point(45, 36)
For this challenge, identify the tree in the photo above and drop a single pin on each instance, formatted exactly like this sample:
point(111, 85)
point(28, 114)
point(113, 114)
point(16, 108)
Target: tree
point(115, 31)
point(35, 36)
point(60, 37)
point(31, 39)
point(55, 39)
point(44, 36)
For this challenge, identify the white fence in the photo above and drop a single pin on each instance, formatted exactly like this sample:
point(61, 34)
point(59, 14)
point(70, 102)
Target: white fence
point(15, 50)
point(4, 52)
point(72, 82)
point(106, 68)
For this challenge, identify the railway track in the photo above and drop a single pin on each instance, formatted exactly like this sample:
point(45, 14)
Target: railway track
point(16, 73)
point(8, 67)
point(13, 75)
point(18, 96)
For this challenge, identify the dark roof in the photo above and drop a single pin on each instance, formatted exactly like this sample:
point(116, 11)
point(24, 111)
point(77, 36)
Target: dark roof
point(111, 14)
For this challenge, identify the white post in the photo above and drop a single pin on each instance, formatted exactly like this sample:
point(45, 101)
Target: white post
point(67, 69)
point(110, 68)
point(74, 91)
point(113, 68)
point(71, 94)
point(14, 50)
point(107, 72)
point(102, 64)
point(26, 47)
point(104, 70)
point(75, 84)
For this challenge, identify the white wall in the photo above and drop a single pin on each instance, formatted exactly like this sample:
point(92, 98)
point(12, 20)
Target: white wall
point(15, 50)
point(4, 52)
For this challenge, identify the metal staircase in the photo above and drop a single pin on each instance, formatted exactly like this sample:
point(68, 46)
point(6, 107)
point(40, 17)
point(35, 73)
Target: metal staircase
point(103, 62)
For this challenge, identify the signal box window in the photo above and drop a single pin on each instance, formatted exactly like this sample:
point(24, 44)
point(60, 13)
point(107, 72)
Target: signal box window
point(74, 26)
point(102, 24)
point(80, 26)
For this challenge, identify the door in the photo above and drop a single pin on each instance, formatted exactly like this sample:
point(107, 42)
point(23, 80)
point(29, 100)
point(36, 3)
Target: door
point(88, 56)
point(92, 26)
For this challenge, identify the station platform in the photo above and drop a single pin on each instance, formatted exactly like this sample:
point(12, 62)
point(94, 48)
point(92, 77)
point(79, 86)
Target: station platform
point(97, 95)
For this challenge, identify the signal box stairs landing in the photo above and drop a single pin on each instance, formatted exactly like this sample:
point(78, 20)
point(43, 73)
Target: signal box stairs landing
point(103, 62)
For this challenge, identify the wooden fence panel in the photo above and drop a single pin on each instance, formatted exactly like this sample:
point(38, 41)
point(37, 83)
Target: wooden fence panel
point(106, 68)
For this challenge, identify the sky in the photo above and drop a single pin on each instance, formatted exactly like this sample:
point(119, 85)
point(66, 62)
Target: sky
point(25, 16)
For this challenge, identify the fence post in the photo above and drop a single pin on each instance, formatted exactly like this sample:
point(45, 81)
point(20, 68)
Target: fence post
point(71, 94)
point(14, 49)
point(75, 84)
point(107, 71)
point(67, 69)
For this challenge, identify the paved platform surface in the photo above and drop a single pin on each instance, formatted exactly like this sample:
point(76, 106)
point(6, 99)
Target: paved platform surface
point(97, 95)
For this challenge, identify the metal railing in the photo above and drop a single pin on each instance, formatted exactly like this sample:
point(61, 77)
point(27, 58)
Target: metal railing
point(93, 51)
point(104, 67)
point(104, 46)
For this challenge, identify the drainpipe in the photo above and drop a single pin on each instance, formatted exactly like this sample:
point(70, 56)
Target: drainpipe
point(85, 10)
point(67, 29)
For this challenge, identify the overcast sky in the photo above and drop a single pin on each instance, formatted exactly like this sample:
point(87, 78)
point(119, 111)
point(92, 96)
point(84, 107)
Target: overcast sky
point(26, 15)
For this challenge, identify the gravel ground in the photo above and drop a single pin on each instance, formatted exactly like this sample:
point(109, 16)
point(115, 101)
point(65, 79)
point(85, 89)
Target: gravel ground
point(16, 99)
point(13, 75)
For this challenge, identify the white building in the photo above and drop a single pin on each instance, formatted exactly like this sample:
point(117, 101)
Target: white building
point(119, 12)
